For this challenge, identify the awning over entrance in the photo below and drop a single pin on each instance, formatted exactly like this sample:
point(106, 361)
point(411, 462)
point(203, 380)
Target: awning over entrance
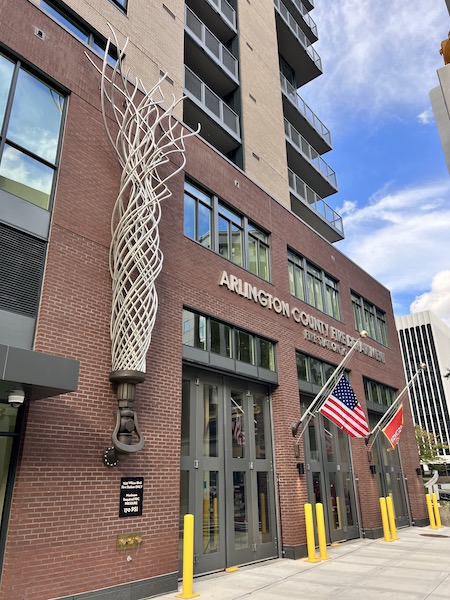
point(39, 375)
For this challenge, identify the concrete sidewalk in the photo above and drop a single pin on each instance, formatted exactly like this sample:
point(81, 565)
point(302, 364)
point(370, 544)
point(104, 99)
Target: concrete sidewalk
point(414, 567)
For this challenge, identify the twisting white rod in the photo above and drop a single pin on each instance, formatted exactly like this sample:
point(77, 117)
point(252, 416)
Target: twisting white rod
point(144, 136)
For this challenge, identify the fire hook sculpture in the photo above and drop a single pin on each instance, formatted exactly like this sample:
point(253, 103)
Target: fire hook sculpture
point(145, 136)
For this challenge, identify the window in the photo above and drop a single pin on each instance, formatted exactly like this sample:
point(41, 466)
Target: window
point(379, 393)
point(79, 29)
point(312, 370)
point(314, 286)
point(221, 338)
point(122, 4)
point(370, 318)
point(31, 114)
point(217, 226)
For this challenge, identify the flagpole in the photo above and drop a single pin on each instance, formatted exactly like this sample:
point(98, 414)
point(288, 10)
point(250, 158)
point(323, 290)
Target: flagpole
point(390, 411)
point(327, 388)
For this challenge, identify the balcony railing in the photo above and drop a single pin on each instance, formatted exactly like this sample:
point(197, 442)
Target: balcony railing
point(315, 202)
point(225, 10)
point(298, 33)
point(306, 16)
point(214, 48)
point(304, 109)
point(309, 153)
point(210, 102)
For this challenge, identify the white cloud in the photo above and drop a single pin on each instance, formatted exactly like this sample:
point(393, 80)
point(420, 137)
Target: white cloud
point(437, 299)
point(388, 53)
point(401, 237)
point(426, 117)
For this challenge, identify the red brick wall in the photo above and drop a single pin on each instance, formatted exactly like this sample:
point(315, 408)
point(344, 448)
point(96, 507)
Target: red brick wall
point(64, 518)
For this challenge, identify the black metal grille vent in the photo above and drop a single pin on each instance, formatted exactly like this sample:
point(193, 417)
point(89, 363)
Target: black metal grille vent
point(22, 259)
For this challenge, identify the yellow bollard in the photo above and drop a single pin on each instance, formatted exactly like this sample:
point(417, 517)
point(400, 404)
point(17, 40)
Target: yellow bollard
point(430, 512)
point(437, 514)
point(188, 558)
point(310, 535)
point(391, 517)
point(385, 520)
point(321, 532)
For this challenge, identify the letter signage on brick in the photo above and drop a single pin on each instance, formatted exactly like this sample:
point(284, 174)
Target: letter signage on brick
point(314, 330)
point(131, 496)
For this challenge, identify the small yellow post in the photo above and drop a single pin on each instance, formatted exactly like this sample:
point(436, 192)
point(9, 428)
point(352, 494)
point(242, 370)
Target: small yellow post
point(321, 532)
point(430, 512)
point(310, 534)
point(437, 514)
point(188, 558)
point(385, 520)
point(391, 517)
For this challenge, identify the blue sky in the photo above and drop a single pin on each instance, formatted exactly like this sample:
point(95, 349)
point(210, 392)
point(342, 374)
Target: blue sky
point(379, 61)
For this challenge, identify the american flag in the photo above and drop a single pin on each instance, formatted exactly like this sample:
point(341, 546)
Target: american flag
point(343, 408)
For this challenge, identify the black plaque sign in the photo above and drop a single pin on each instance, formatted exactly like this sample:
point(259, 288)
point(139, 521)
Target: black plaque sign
point(131, 496)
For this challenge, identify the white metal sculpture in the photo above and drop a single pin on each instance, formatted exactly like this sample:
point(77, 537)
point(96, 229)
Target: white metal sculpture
point(146, 137)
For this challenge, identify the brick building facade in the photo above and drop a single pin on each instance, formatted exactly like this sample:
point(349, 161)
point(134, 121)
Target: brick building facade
point(268, 352)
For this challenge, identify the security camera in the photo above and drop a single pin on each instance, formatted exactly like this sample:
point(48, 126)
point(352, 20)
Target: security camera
point(16, 398)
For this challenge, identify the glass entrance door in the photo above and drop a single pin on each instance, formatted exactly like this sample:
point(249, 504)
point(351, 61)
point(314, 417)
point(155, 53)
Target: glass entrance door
point(226, 471)
point(389, 474)
point(330, 478)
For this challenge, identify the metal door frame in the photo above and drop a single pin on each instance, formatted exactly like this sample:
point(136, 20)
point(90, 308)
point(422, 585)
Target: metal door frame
point(220, 526)
point(325, 431)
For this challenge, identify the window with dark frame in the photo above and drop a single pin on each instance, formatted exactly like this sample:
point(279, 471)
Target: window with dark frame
point(31, 117)
point(313, 286)
point(378, 393)
point(217, 226)
point(218, 337)
point(370, 318)
point(78, 28)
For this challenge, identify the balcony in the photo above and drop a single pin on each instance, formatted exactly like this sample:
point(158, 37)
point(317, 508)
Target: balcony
point(295, 46)
point(302, 117)
point(213, 62)
point(218, 15)
point(310, 207)
point(304, 159)
point(306, 23)
point(219, 123)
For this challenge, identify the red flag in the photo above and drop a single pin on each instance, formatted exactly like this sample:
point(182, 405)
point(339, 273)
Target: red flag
point(343, 408)
point(394, 428)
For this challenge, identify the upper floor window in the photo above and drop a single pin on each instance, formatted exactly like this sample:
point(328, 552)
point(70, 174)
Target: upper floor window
point(378, 393)
point(314, 286)
point(370, 318)
point(31, 116)
point(217, 226)
point(122, 4)
point(206, 333)
point(79, 29)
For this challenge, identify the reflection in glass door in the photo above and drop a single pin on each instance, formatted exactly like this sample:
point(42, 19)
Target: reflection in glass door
point(226, 471)
point(329, 476)
point(389, 474)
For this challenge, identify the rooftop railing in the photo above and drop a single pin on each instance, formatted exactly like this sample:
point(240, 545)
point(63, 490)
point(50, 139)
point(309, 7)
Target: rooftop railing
point(198, 30)
point(299, 188)
point(309, 153)
point(304, 109)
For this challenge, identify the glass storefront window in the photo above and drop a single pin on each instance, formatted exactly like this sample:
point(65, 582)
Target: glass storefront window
point(220, 338)
point(258, 416)
point(194, 330)
point(266, 355)
point(210, 512)
point(244, 347)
